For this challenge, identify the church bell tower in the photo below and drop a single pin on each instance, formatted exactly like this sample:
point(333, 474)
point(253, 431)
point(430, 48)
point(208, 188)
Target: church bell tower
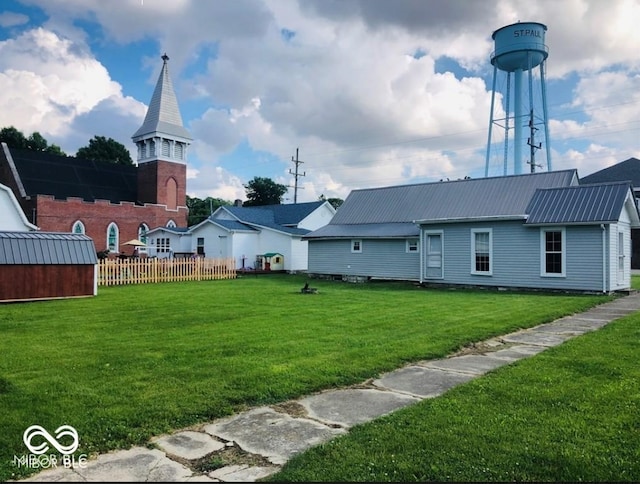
point(162, 143)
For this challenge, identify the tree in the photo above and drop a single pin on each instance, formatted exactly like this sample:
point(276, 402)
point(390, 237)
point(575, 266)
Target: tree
point(103, 149)
point(199, 209)
point(335, 202)
point(13, 138)
point(16, 139)
point(263, 191)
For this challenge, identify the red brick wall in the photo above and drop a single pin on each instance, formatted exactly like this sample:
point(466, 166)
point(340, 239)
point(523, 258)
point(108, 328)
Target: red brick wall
point(59, 216)
point(153, 183)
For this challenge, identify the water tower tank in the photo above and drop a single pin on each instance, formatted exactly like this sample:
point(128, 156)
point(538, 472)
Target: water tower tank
point(519, 48)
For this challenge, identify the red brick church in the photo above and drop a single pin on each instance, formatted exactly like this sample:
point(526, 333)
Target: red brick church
point(110, 203)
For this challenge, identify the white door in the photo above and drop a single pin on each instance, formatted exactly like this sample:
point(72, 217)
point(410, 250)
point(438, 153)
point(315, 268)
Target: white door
point(433, 247)
point(621, 260)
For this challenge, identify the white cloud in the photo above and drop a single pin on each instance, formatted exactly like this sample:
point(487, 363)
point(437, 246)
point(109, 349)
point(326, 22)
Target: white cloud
point(48, 83)
point(214, 181)
point(343, 85)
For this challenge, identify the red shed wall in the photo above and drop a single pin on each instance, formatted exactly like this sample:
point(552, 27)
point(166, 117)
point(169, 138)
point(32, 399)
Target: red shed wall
point(20, 282)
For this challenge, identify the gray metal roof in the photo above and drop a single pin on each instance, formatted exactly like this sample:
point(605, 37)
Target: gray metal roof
point(163, 116)
point(505, 196)
point(46, 248)
point(393, 211)
point(583, 204)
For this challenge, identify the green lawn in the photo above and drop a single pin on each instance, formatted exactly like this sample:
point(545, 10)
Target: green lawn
point(139, 361)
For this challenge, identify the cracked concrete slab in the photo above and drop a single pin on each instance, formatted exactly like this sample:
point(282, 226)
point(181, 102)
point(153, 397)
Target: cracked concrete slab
point(474, 364)
point(421, 381)
point(574, 328)
point(273, 435)
point(137, 464)
point(353, 406)
point(188, 444)
point(536, 338)
point(243, 473)
point(517, 352)
point(134, 465)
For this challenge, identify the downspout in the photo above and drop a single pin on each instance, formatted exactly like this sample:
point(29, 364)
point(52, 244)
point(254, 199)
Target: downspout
point(421, 255)
point(604, 258)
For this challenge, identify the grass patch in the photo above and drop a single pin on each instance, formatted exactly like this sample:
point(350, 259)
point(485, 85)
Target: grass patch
point(139, 361)
point(567, 414)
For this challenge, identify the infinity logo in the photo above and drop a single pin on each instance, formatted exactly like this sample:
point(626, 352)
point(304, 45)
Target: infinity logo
point(62, 431)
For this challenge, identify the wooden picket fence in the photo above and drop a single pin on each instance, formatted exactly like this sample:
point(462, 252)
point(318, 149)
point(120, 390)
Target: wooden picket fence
point(113, 272)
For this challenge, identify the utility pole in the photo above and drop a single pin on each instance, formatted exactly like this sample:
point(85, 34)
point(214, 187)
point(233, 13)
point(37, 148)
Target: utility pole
point(296, 175)
point(531, 143)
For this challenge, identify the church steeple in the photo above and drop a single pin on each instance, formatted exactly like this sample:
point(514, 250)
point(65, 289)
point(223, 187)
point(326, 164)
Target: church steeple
point(162, 135)
point(162, 145)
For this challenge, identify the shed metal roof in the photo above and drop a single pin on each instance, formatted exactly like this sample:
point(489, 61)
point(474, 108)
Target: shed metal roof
point(583, 204)
point(47, 248)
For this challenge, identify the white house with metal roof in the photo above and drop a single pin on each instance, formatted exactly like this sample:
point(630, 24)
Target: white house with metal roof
point(534, 231)
point(253, 236)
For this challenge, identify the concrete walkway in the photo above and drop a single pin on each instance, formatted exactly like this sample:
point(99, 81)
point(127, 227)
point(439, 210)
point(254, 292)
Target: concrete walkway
point(261, 440)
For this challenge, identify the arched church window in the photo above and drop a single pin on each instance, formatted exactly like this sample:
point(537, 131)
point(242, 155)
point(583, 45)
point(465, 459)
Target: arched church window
point(166, 147)
point(142, 236)
point(78, 227)
point(113, 235)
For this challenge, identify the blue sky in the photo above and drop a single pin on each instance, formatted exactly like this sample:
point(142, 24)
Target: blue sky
point(371, 92)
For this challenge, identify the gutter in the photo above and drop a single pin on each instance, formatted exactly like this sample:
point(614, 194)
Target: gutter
point(487, 218)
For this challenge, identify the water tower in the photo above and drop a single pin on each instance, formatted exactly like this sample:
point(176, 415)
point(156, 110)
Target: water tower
point(519, 49)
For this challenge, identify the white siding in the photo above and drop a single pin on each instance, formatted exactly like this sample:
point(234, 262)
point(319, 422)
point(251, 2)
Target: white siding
point(12, 218)
point(318, 218)
point(299, 254)
point(215, 240)
point(244, 245)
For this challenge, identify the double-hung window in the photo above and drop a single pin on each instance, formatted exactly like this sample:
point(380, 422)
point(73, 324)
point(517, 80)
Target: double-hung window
point(356, 246)
point(481, 251)
point(552, 255)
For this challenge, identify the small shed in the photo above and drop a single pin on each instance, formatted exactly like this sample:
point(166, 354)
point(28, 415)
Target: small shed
point(271, 261)
point(46, 265)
